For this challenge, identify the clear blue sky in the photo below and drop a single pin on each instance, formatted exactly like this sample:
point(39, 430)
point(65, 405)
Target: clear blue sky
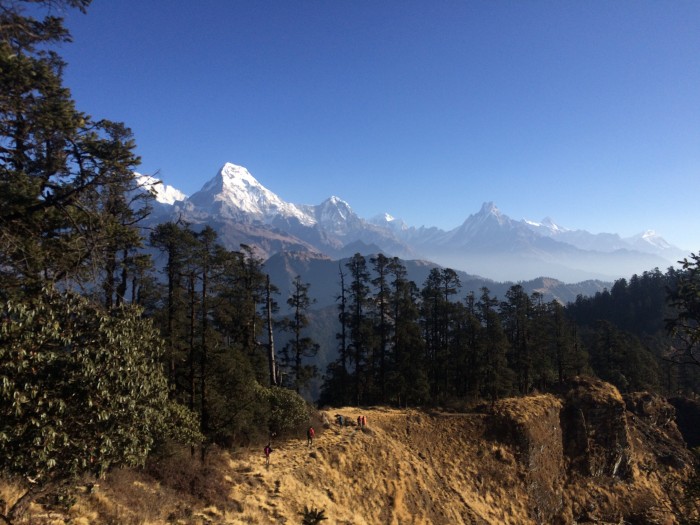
point(587, 111)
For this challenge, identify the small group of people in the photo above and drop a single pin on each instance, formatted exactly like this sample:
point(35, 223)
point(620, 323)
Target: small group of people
point(311, 433)
point(345, 421)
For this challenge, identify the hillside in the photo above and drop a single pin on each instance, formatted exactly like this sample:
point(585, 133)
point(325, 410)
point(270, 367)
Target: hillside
point(587, 456)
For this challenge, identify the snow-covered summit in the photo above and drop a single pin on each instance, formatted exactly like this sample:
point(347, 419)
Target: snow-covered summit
point(162, 193)
point(546, 225)
point(333, 214)
point(649, 239)
point(488, 212)
point(484, 227)
point(335, 207)
point(235, 193)
point(387, 220)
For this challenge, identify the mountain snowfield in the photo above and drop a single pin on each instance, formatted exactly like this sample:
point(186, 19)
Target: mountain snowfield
point(488, 243)
point(235, 194)
point(162, 193)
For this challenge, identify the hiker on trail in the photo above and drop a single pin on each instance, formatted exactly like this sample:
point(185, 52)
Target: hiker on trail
point(359, 421)
point(310, 436)
point(364, 421)
point(340, 420)
point(268, 450)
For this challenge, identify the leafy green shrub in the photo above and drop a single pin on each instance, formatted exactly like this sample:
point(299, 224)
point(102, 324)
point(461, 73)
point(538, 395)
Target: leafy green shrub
point(81, 391)
point(288, 410)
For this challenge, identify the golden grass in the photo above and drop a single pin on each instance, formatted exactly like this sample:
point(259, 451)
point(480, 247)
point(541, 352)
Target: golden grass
point(407, 467)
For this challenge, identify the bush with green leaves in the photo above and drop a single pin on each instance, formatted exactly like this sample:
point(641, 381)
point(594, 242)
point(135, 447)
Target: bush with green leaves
point(81, 390)
point(288, 410)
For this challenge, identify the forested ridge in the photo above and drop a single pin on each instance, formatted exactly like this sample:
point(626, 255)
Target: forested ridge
point(105, 359)
point(402, 344)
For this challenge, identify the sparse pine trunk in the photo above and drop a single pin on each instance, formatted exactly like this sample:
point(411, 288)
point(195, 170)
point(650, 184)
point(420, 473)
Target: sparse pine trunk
point(191, 356)
point(270, 339)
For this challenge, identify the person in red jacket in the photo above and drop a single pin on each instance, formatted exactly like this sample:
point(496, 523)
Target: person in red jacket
point(310, 434)
point(268, 451)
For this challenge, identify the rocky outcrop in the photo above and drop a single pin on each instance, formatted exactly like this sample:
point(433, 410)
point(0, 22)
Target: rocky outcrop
point(532, 425)
point(591, 455)
point(594, 424)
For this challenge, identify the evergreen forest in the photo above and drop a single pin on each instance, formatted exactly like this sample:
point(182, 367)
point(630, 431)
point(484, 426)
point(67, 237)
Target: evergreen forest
point(409, 345)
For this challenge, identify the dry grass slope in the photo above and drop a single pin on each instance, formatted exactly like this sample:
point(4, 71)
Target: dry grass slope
point(504, 466)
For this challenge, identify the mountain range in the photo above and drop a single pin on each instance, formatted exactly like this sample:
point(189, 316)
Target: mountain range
point(488, 243)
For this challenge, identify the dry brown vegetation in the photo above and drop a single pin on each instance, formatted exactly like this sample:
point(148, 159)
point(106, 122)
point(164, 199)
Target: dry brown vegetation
point(509, 463)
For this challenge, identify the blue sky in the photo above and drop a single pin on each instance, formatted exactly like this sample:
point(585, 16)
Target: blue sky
point(587, 112)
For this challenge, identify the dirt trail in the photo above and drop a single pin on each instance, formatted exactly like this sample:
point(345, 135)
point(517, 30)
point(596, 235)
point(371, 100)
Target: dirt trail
point(405, 467)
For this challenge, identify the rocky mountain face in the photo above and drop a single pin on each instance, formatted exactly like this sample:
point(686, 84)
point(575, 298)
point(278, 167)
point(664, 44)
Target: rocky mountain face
point(488, 243)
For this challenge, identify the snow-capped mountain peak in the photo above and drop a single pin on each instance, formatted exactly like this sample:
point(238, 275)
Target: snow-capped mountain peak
point(235, 180)
point(546, 226)
point(334, 208)
point(333, 213)
point(650, 239)
point(489, 208)
point(161, 192)
point(234, 176)
point(337, 201)
point(387, 220)
point(235, 193)
point(488, 212)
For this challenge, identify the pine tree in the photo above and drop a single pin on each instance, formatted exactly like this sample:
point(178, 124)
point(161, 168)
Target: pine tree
point(360, 326)
point(516, 315)
point(381, 264)
point(177, 243)
point(335, 387)
point(439, 314)
point(471, 366)
point(407, 376)
point(299, 346)
point(241, 295)
point(206, 255)
point(684, 323)
point(569, 358)
point(60, 171)
point(498, 378)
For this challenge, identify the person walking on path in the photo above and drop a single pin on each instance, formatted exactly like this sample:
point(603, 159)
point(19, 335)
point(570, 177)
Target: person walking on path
point(310, 434)
point(268, 451)
point(359, 421)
